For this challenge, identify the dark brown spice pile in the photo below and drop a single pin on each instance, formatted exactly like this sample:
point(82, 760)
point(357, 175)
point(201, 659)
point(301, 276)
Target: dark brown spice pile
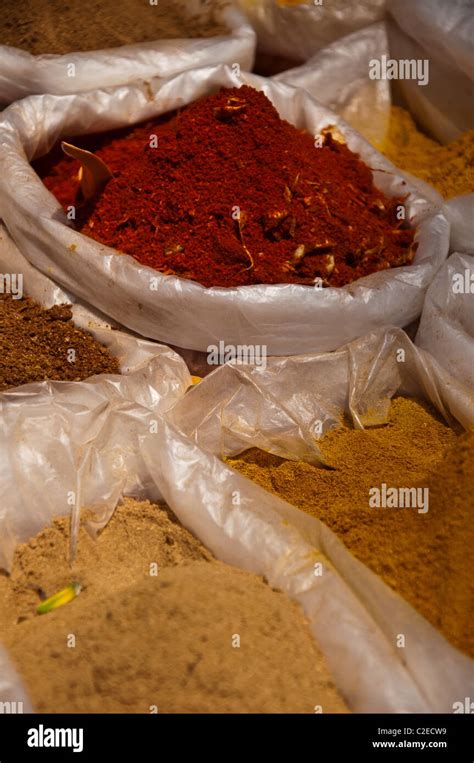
point(34, 345)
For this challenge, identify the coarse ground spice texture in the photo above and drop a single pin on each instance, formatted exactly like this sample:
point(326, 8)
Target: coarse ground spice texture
point(226, 193)
point(427, 558)
point(161, 640)
point(52, 26)
point(449, 169)
point(36, 344)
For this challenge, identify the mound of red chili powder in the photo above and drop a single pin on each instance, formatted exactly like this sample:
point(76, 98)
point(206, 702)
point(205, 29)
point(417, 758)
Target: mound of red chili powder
point(226, 193)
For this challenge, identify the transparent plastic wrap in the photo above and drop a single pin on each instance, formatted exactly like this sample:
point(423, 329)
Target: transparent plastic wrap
point(287, 318)
point(299, 29)
point(23, 74)
point(338, 76)
point(443, 33)
point(120, 446)
point(446, 327)
point(277, 408)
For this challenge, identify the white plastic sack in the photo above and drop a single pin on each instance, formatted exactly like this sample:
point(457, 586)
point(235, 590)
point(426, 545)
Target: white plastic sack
point(287, 319)
point(460, 213)
point(443, 33)
point(47, 293)
point(281, 408)
point(22, 74)
point(42, 289)
point(132, 352)
point(353, 614)
point(338, 76)
point(447, 323)
point(276, 409)
point(299, 30)
point(152, 375)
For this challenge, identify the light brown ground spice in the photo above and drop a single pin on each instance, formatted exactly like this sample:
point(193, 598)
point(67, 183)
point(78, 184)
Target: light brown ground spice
point(36, 344)
point(166, 640)
point(427, 558)
point(449, 169)
point(52, 26)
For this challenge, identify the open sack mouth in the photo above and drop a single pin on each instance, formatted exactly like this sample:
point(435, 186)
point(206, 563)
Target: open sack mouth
point(226, 193)
point(291, 233)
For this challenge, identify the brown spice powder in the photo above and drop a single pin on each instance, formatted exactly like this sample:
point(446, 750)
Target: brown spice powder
point(424, 557)
point(36, 344)
point(164, 640)
point(52, 26)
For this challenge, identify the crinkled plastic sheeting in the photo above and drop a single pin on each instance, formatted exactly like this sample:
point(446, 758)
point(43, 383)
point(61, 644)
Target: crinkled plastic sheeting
point(128, 447)
point(276, 408)
point(23, 74)
point(443, 33)
point(298, 31)
point(338, 76)
point(447, 323)
point(39, 475)
point(288, 318)
point(42, 413)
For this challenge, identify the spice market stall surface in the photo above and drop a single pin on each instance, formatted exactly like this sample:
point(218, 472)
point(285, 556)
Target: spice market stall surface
point(125, 447)
point(220, 31)
point(285, 318)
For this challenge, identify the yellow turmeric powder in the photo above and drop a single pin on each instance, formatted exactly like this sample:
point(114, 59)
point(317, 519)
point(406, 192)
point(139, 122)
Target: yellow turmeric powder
point(425, 557)
point(449, 169)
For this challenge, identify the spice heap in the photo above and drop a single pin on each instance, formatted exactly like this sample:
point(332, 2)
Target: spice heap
point(167, 640)
point(38, 344)
point(423, 556)
point(52, 26)
point(226, 193)
point(449, 169)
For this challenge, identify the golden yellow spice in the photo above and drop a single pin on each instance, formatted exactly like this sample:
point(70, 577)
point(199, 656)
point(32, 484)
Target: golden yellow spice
point(424, 557)
point(449, 169)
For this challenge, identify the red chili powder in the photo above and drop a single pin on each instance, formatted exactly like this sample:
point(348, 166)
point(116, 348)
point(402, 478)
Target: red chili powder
point(227, 193)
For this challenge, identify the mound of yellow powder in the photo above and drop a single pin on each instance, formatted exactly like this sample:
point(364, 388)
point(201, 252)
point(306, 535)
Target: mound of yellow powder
point(449, 169)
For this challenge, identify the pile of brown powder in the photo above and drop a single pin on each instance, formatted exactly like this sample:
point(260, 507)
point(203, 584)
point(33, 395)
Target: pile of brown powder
point(38, 344)
point(167, 641)
point(52, 26)
point(425, 557)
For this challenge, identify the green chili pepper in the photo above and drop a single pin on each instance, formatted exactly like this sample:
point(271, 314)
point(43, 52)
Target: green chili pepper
point(60, 598)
